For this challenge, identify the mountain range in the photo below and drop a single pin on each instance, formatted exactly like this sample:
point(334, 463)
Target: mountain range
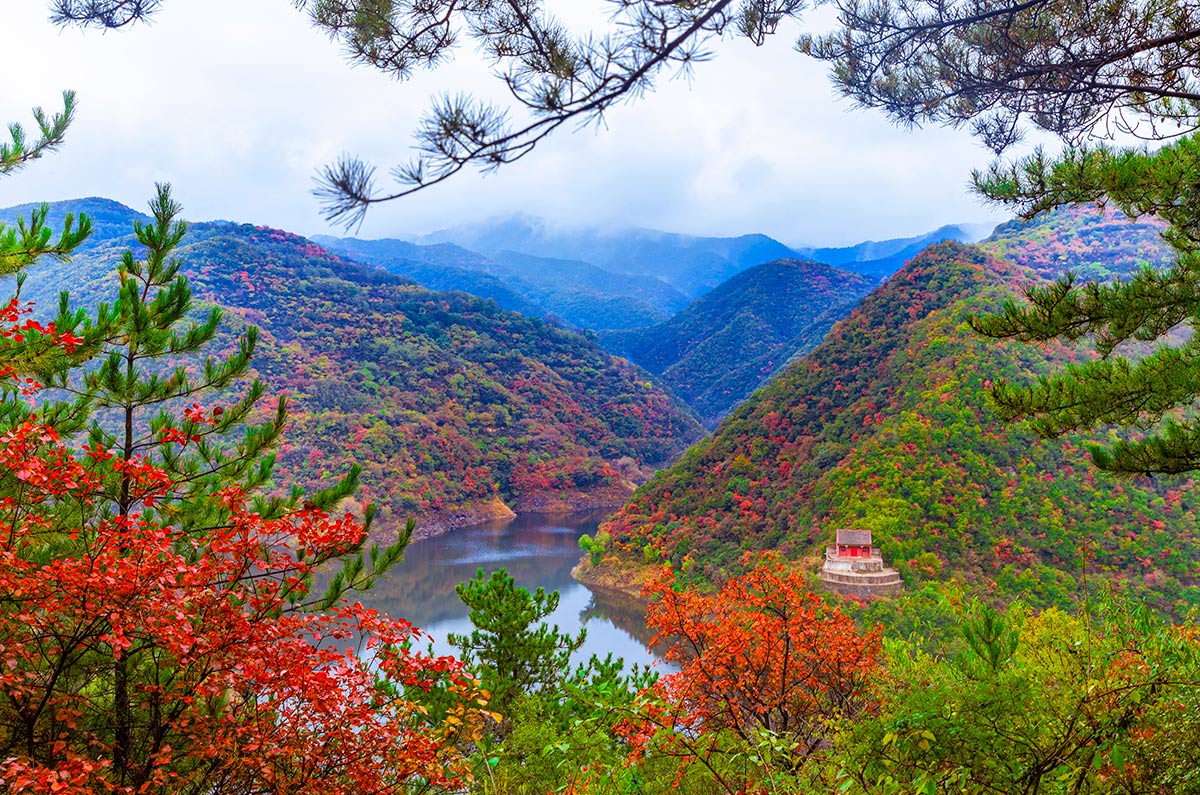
point(879, 259)
point(456, 409)
point(693, 264)
point(732, 339)
point(887, 426)
point(758, 306)
point(581, 294)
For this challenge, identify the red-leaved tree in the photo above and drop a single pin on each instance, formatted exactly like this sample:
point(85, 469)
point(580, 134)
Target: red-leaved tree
point(158, 632)
point(767, 671)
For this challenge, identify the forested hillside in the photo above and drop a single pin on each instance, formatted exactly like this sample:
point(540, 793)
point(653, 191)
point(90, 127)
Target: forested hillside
point(887, 426)
point(449, 403)
point(731, 340)
point(1091, 243)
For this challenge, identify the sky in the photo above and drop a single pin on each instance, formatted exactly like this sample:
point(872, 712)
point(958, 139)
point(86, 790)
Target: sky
point(238, 104)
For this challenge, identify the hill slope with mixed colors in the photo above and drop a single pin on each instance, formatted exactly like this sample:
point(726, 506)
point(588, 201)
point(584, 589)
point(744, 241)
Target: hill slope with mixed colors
point(1091, 243)
point(449, 403)
point(887, 426)
point(729, 341)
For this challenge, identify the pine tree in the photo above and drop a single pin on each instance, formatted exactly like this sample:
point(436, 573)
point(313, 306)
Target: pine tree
point(29, 241)
point(1126, 385)
point(512, 649)
point(141, 458)
point(52, 132)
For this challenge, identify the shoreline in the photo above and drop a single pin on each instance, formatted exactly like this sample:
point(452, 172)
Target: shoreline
point(619, 580)
point(496, 509)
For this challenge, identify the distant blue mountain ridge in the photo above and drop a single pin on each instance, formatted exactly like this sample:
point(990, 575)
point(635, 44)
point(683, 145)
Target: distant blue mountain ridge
point(882, 258)
point(692, 264)
point(586, 278)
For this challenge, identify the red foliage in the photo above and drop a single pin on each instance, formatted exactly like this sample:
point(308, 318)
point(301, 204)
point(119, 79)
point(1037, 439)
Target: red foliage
point(762, 655)
point(233, 687)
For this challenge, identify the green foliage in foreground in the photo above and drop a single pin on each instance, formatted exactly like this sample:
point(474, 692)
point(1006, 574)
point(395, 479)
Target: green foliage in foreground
point(1102, 700)
point(1153, 391)
point(553, 719)
point(511, 654)
point(52, 130)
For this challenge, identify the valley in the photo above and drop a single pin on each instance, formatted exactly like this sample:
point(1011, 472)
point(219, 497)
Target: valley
point(830, 406)
point(585, 449)
point(616, 397)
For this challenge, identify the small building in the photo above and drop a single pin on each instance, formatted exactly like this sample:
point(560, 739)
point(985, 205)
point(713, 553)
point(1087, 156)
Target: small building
point(854, 567)
point(853, 543)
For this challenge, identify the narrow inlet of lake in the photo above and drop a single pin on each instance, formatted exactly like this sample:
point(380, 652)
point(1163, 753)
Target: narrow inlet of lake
point(536, 551)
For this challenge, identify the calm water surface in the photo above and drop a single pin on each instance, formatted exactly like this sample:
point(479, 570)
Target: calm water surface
point(536, 551)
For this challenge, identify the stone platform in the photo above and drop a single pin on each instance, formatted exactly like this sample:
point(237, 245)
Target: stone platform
point(865, 577)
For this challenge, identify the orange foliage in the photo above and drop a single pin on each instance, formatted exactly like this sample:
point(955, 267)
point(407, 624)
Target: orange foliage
point(237, 689)
point(762, 656)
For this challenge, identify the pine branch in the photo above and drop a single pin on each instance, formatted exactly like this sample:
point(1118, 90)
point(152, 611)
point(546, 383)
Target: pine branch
point(52, 131)
point(107, 14)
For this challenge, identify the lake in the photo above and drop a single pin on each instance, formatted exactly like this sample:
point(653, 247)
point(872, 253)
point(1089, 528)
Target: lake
point(537, 551)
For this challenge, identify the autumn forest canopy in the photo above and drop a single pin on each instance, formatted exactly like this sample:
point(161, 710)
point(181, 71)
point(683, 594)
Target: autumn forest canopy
point(216, 437)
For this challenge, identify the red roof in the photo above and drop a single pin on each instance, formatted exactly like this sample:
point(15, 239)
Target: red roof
point(854, 538)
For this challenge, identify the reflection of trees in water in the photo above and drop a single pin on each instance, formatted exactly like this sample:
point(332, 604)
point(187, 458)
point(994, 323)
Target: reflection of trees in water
point(627, 614)
point(535, 550)
point(622, 610)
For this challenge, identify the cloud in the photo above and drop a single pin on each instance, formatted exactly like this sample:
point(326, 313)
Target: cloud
point(239, 103)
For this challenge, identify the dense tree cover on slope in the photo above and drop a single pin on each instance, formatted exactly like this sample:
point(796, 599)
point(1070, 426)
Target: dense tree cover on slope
point(442, 398)
point(1087, 241)
point(157, 629)
point(887, 426)
point(731, 340)
point(446, 401)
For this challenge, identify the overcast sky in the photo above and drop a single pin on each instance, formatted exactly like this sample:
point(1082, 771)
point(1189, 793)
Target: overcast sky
point(238, 104)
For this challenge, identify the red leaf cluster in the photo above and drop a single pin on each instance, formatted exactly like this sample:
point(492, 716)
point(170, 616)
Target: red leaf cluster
point(232, 686)
point(763, 656)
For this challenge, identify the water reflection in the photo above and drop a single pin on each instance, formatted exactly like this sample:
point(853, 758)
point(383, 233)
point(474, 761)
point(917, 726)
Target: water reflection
point(536, 551)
